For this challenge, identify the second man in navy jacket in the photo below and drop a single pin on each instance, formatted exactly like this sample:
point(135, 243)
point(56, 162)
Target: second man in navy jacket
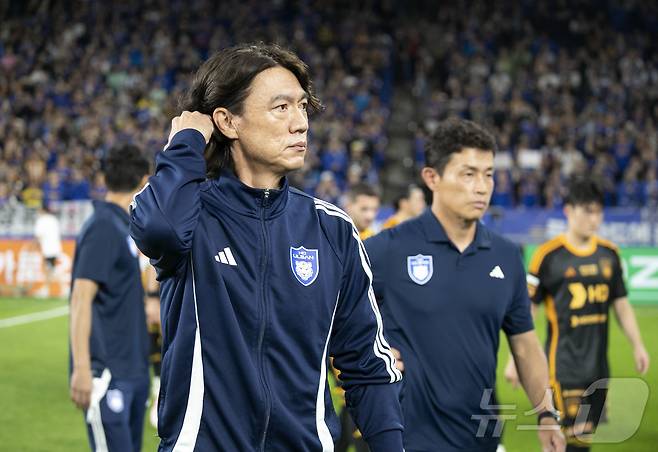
point(260, 283)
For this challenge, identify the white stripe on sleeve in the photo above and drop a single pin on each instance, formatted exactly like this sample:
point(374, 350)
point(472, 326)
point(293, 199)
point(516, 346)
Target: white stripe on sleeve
point(192, 420)
point(381, 348)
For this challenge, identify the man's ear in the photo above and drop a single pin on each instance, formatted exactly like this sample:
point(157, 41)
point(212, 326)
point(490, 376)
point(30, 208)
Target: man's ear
point(567, 210)
point(225, 122)
point(431, 177)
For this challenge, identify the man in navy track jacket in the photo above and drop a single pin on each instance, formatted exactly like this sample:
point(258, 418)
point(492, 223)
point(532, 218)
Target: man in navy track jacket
point(260, 283)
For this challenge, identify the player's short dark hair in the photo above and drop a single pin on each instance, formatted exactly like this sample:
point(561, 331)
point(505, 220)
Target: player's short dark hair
point(362, 189)
point(224, 80)
point(404, 193)
point(452, 136)
point(584, 190)
point(125, 166)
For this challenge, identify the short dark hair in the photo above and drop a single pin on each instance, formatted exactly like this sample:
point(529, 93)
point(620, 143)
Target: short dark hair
point(403, 194)
point(362, 189)
point(453, 135)
point(125, 166)
point(584, 190)
point(224, 80)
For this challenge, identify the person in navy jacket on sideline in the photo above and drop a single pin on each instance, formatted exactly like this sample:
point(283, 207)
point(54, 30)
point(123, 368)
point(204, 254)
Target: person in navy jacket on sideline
point(260, 282)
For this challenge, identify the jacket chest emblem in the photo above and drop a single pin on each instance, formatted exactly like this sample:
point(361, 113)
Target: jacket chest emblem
point(420, 268)
point(305, 264)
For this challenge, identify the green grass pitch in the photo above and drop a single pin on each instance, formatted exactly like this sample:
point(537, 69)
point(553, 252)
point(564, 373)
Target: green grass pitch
point(36, 414)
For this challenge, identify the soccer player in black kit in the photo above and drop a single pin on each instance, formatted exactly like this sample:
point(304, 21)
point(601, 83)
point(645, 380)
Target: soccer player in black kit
point(579, 278)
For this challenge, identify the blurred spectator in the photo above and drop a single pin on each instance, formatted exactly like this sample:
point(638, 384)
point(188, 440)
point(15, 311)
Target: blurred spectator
point(361, 204)
point(98, 188)
point(32, 196)
point(53, 188)
point(327, 189)
point(49, 240)
point(408, 204)
point(530, 190)
point(503, 194)
point(78, 186)
point(4, 193)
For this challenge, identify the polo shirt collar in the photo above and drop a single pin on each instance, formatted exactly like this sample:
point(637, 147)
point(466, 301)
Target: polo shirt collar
point(434, 231)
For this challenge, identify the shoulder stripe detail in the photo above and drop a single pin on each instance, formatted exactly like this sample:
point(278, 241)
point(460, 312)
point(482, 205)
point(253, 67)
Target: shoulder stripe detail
point(607, 244)
point(326, 440)
point(190, 429)
point(332, 207)
point(381, 347)
point(542, 251)
point(133, 203)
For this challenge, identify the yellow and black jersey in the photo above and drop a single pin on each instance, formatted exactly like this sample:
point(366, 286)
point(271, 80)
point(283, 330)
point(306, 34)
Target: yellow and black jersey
point(578, 287)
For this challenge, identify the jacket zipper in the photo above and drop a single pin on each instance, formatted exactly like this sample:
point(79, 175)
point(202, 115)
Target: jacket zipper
point(264, 317)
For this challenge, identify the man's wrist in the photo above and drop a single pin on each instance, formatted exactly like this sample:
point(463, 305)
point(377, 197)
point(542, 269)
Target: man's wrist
point(549, 414)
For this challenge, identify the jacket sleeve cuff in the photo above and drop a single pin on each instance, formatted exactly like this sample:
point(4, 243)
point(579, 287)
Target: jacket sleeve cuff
point(190, 137)
point(387, 441)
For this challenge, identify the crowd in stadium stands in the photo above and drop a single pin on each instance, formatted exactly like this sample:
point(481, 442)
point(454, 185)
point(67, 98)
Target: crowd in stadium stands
point(564, 90)
point(566, 87)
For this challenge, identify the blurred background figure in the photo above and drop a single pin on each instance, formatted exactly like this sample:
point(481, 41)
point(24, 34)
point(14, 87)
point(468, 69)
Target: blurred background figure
point(362, 204)
point(48, 237)
point(408, 204)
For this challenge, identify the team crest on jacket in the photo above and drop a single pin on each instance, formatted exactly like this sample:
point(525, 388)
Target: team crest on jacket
point(304, 264)
point(420, 268)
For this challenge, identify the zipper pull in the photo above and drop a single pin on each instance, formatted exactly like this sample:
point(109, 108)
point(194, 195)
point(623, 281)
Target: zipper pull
point(266, 197)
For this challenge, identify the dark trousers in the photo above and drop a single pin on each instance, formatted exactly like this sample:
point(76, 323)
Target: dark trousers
point(116, 421)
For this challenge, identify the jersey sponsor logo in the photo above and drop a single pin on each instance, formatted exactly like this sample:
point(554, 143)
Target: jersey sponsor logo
point(588, 270)
point(226, 257)
point(132, 246)
point(114, 400)
point(606, 268)
point(305, 265)
point(497, 273)
point(589, 319)
point(420, 268)
point(590, 293)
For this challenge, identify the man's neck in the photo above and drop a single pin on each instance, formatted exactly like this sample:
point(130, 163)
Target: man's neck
point(255, 175)
point(578, 241)
point(461, 232)
point(123, 200)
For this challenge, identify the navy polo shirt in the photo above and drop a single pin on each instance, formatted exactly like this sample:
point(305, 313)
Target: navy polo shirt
point(106, 254)
point(444, 311)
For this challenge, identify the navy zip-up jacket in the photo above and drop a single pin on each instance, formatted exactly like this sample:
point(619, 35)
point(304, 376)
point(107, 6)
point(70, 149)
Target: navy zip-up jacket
point(258, 288)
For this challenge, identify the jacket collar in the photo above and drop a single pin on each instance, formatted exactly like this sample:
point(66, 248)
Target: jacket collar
point(228, 191)
point(434, 231)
